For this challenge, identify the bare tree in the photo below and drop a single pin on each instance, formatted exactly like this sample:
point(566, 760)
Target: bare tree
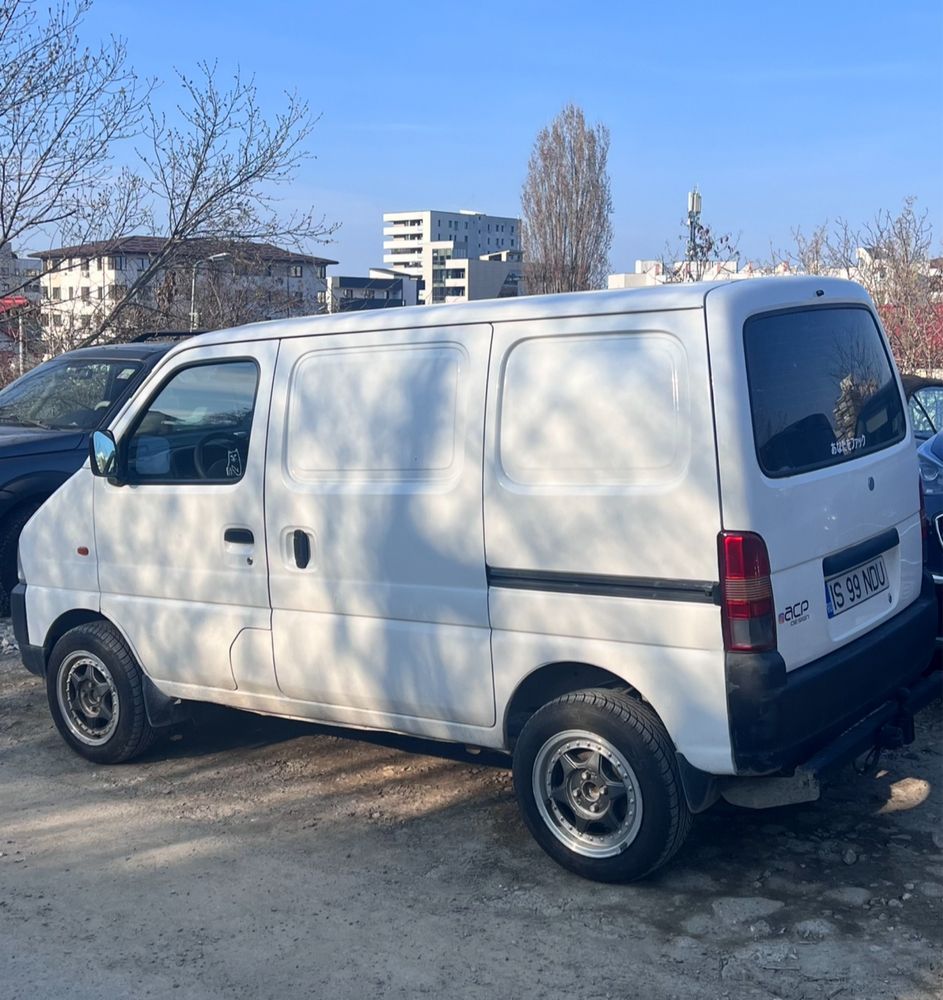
point(566, 204)
point(895, 268)
point(62, 108)
point(702, 254)
point(891, 257)
point(213, 178)
point(830, 248)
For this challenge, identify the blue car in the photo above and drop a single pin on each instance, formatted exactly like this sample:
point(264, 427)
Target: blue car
point(930, 455)
point(925, 396)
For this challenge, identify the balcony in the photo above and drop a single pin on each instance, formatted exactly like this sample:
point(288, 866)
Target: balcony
point(403, 246)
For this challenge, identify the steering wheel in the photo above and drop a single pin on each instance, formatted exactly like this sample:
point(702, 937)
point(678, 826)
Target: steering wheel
point(218, 456)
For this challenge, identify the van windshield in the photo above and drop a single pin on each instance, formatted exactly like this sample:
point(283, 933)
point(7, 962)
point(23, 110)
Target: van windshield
point(822, 388)
point(66, 395)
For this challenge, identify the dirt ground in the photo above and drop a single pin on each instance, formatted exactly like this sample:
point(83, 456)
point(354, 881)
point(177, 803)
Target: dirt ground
point(259, 858)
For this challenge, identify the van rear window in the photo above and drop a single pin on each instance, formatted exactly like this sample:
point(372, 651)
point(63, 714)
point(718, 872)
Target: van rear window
point(822, 388)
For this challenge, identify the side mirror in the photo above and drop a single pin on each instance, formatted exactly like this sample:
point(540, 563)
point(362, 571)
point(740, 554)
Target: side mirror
point(103, 454)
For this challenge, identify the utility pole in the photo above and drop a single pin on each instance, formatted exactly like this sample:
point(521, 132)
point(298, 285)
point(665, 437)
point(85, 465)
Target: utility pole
point(694, 221)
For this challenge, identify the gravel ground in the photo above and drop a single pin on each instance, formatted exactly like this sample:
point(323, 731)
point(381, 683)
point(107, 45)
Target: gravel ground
point(260, 858)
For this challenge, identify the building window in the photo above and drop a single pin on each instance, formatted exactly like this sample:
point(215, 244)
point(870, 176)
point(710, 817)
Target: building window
point(348, 293)
point(142, 263)
point(322, 298)
point(85, 263)
point(294, 271)
point(116, 263)
point(57, 293)
point(99, 294)
point(368, 293)
point(86, 293)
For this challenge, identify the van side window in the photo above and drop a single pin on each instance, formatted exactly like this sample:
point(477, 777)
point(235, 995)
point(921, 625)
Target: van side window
point(197, 427)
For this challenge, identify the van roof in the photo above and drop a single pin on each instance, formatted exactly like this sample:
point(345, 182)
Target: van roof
point(690, 295)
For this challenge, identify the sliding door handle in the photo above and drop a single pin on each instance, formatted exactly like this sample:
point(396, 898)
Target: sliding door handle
point(239, 536)
point(301, 545)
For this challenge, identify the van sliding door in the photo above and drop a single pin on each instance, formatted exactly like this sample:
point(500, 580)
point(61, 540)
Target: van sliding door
point(374, 525)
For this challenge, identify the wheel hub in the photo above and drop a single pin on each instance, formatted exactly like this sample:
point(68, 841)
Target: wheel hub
point(587, 793)
point(88, 698)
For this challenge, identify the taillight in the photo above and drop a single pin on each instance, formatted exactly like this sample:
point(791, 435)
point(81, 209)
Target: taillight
point(749, 620)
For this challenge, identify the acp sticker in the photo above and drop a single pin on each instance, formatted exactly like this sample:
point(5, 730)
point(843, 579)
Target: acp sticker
point(125, 374)
point(795, 614)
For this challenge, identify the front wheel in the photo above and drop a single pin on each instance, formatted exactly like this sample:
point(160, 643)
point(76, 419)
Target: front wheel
point(95, 691)
point(598, 786)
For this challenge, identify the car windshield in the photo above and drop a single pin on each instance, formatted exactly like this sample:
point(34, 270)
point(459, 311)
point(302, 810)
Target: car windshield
point(66, 395)
point(926, 409)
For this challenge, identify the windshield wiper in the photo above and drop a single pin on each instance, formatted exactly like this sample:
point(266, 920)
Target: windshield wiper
point(19, 421)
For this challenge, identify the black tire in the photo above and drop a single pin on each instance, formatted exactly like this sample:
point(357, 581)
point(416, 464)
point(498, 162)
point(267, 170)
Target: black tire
point(572, 749)
point(9, 543)
point(96, 695)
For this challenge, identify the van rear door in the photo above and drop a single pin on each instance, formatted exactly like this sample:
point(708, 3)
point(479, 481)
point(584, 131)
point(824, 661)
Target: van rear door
point(816, 456)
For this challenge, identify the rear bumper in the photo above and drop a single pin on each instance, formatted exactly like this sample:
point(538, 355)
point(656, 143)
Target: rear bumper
point(33, 657)
point(780, 720)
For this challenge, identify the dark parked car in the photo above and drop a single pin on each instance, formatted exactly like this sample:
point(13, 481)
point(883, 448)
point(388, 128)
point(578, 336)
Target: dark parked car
point(925, 396)
point(46, 417)
point(930, 455)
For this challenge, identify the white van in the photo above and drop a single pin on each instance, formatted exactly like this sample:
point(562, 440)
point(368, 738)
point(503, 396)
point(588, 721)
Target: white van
point(656, 543)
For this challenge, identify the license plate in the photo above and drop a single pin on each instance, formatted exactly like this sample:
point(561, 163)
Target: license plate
point(847, 590)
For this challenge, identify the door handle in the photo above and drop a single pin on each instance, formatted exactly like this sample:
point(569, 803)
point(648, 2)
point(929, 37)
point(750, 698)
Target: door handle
point(239, 536)
point(301, 545)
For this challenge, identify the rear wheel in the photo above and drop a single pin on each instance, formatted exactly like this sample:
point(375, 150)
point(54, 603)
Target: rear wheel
point(95, 691)
point(598, 786)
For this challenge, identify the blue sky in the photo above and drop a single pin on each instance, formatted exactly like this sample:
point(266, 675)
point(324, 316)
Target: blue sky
point(783, 114)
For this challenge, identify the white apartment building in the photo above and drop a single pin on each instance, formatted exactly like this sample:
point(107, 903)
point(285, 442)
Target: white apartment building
point(428, 244)
point(80, 284)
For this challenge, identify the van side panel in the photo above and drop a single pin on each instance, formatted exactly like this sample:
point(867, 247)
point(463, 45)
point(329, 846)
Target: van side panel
point(685, 684)
point(374, 525)
point(600, 456)
point(602, 513)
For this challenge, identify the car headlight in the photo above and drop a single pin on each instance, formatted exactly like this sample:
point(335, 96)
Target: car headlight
point(931, 472)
